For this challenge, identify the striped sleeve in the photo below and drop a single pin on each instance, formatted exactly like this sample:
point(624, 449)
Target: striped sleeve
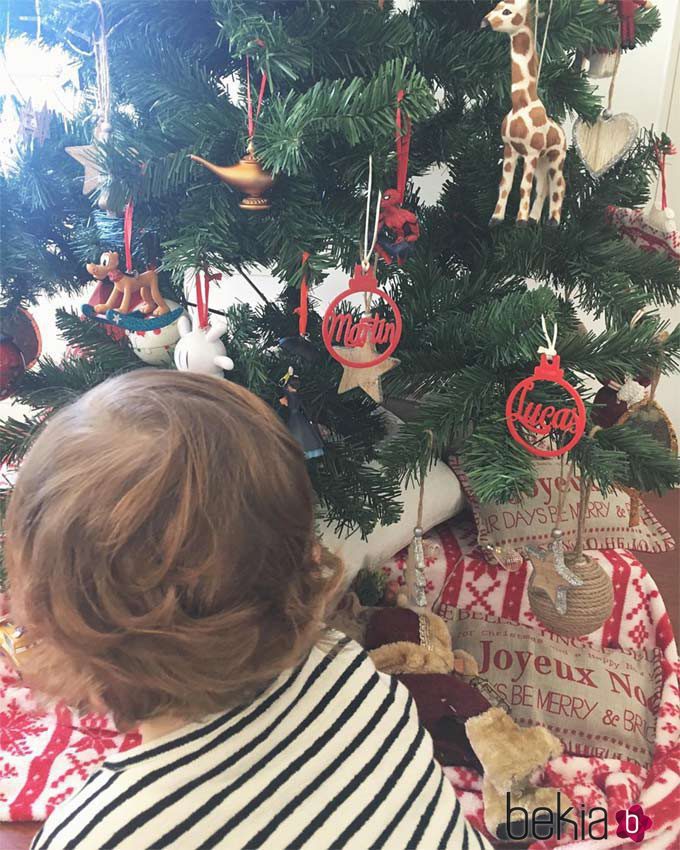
point(330, 756)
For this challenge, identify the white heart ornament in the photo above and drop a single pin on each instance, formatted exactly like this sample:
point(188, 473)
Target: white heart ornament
point(602, 144)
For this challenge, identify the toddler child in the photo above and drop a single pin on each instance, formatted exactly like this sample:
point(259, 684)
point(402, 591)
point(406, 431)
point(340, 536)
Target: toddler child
point(161, 556)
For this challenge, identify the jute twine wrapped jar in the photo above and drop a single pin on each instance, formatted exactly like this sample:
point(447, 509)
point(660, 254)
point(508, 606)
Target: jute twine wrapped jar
point(588, 606)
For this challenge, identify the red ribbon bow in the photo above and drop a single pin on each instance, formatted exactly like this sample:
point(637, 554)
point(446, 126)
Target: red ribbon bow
point(202, 294)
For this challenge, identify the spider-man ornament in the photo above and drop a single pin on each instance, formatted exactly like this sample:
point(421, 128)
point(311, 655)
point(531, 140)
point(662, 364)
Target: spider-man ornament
point(626, 10)
point(398, 229)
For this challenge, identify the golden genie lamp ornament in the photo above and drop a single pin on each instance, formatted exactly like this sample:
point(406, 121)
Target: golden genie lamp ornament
point(247, 176)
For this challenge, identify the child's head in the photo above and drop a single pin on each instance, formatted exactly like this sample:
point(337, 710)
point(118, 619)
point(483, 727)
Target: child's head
point(160, 546)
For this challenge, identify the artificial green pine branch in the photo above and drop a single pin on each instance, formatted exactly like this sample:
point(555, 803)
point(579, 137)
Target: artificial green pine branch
point(356, 110)
point(16, 436)
point(91, 340)
point(650, 466)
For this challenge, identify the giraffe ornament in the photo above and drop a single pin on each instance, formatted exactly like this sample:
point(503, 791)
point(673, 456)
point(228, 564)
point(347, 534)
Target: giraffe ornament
point(527, 131)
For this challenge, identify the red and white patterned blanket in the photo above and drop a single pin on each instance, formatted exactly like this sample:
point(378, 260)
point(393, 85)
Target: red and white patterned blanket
point(46, 755)
point(639, 620)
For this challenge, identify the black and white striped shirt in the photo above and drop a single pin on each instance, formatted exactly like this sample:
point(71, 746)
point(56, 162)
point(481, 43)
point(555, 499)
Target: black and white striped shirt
point(331, 755)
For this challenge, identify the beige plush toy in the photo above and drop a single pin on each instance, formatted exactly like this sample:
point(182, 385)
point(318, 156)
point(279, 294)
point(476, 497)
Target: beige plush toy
point(402, 641)
point(510, 757)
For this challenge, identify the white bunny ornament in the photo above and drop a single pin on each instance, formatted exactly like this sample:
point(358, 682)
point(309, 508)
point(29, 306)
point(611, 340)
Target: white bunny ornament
point(201, 349)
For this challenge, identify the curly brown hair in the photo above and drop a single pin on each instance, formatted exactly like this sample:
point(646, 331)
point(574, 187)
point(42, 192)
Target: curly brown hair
point(160, 547)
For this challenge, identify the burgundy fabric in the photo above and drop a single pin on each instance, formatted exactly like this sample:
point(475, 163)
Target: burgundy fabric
point(391, 625)
point(607, 409)
point(444, 703)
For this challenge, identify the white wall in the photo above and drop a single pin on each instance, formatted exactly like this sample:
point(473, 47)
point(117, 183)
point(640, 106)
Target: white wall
point(648, 86)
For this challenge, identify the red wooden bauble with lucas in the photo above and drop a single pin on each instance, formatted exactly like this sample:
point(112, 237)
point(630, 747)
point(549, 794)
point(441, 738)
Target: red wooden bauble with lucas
point(345, 330)
point(543, 420)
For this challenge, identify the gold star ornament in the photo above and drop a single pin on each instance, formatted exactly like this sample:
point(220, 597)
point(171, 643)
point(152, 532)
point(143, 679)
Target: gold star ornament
point(368, 378)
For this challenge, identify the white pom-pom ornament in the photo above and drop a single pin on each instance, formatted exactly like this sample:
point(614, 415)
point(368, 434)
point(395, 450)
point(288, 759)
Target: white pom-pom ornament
point(631, 392)
point(201, 349)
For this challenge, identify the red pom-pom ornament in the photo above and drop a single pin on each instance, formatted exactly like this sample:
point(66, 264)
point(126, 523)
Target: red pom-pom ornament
point(12, 365)
point(539, 421)
point(345, 330)
point(20, 347)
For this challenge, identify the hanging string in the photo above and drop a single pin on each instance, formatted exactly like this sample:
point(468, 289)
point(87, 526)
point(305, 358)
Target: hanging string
point(537, 12)
point(202, 290)
point(421, 492)
point(545, 38)
point(252, 119)
point(127, 234)
point(423, 472)
point(403, 142)
point(549, 349)
point(101, 59)
point(367, 252)
point(560, 497)
point(38, 20)
point(612, 85)
point(303, 310)
point(585, 490)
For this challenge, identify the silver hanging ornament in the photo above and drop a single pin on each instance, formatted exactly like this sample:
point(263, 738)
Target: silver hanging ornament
point(416, 566)
point(557, 548)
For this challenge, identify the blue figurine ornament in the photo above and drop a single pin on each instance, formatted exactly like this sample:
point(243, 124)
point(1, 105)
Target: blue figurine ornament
point(305, 432)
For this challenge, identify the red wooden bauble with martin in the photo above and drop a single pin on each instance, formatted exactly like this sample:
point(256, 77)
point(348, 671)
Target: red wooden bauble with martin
point(531, 422)
point(348, 331)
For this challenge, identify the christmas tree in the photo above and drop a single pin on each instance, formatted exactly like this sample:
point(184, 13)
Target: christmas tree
point(319, 87)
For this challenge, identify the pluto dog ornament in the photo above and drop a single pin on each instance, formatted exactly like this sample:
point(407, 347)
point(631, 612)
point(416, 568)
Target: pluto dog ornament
point(526, 130)
point(201, 349)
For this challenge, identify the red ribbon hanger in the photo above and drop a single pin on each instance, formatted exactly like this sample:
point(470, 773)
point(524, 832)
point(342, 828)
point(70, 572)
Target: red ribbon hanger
point(403, 142)
point(252, 119)
point(670, 150)
point(127, 234)
point(303, 310)
point(202, 290)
